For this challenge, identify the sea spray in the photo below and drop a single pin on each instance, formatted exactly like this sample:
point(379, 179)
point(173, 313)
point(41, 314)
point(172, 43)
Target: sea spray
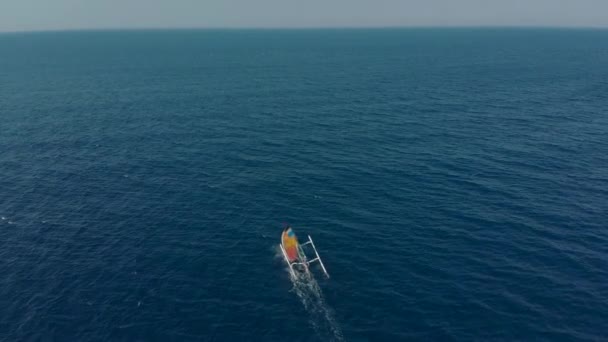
point(320, 315)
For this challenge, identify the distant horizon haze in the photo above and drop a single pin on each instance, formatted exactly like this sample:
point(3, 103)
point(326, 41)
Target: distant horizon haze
point(36, 15)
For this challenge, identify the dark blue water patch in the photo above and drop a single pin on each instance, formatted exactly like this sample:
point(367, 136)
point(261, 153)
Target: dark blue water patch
point(454, 182)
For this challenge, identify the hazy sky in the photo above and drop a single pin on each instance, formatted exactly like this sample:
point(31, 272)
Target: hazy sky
point(18, 15)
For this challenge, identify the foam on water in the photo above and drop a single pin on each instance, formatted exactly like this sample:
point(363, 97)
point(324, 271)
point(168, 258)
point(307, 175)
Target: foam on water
point(320, 315)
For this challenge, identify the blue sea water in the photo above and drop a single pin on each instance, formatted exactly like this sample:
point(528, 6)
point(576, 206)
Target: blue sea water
point(455, 182)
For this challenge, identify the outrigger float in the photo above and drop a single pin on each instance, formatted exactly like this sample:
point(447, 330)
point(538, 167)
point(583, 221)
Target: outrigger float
point(294, 254)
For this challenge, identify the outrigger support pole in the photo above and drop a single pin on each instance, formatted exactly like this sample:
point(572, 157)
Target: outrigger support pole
point(317, 258)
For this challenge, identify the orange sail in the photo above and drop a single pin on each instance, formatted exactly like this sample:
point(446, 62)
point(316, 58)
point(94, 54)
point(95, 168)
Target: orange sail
point(290, 244)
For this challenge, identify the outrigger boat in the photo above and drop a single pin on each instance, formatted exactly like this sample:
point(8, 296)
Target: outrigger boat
point(294, 254)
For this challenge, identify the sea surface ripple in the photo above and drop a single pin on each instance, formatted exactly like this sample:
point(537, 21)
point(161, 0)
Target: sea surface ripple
point(455, 182)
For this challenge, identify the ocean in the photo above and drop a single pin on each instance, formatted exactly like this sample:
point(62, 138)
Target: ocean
point(455, 182)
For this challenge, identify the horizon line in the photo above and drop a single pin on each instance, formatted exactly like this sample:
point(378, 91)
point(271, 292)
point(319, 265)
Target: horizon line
point(304, 28)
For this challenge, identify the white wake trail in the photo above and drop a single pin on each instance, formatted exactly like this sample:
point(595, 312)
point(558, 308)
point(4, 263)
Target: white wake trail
point(321, 316)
